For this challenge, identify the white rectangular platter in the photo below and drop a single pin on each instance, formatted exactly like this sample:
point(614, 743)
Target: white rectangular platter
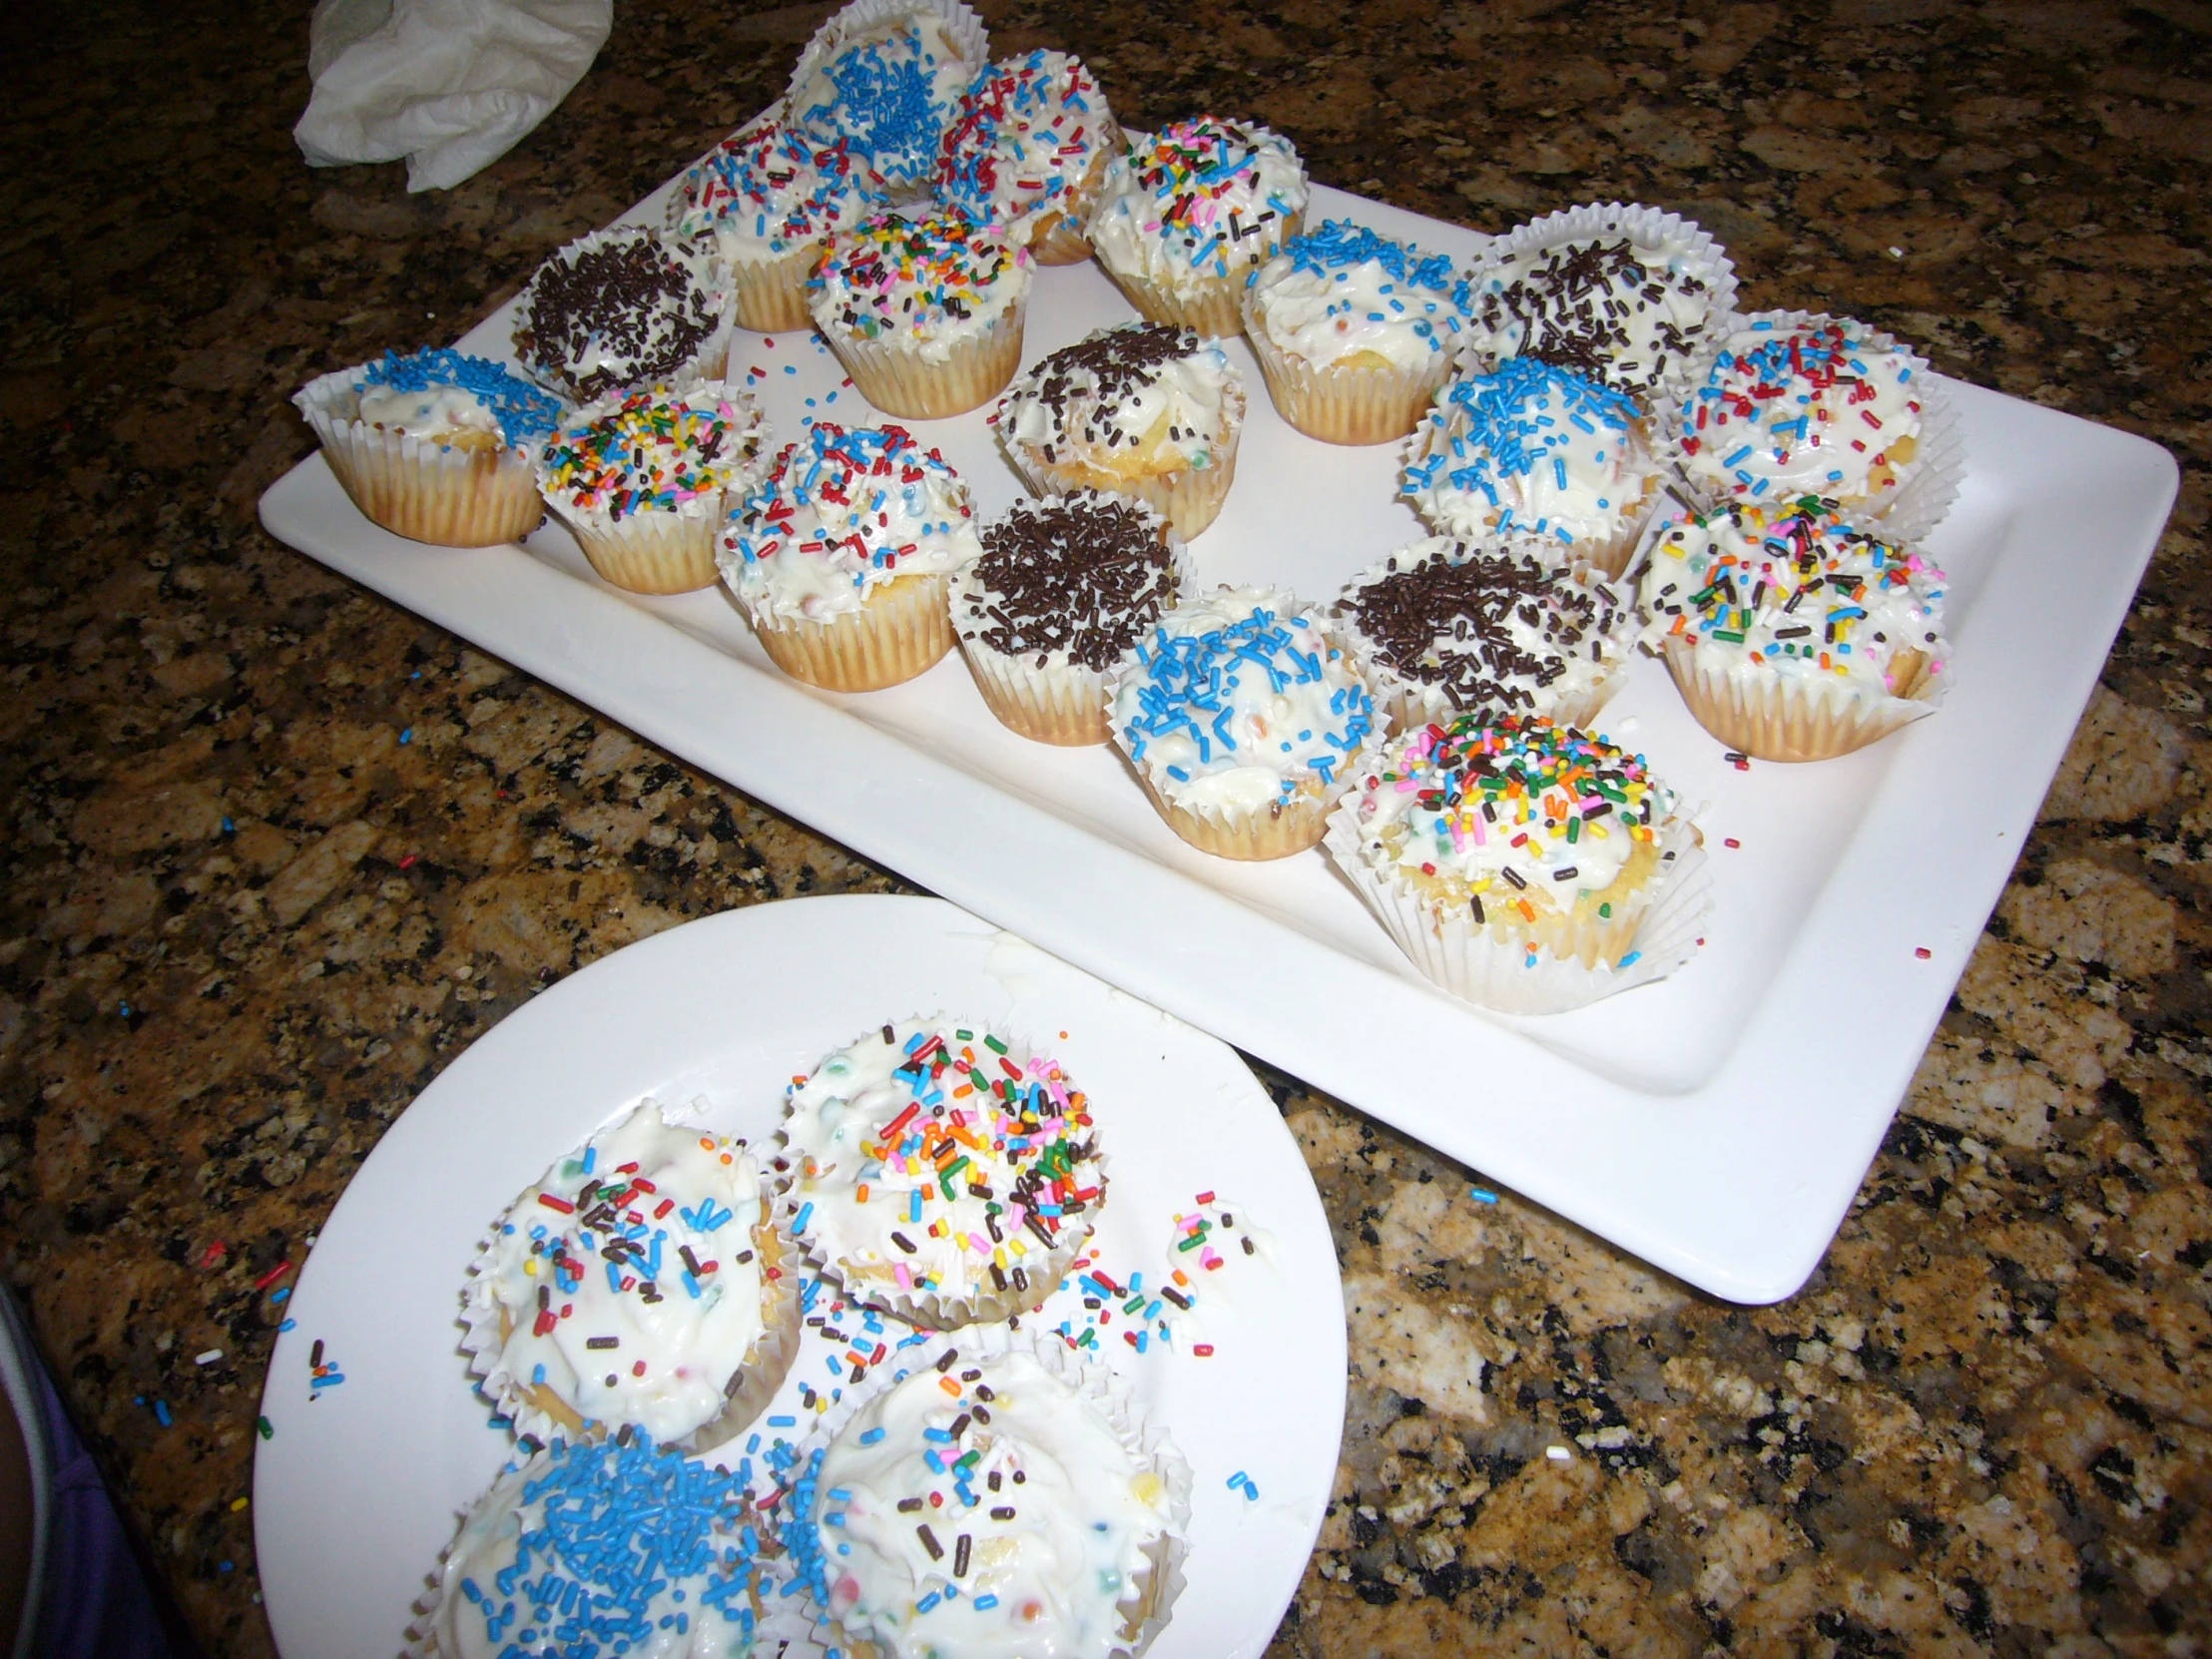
point(1716, 1124)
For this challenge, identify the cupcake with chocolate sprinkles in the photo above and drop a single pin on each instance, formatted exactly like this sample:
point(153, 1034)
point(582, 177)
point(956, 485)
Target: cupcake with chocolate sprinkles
point(1446, 627)
point(1064, 587)
point(624, 309)
point(1143, 409)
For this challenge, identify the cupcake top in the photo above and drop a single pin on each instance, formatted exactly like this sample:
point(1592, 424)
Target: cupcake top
point(927, 285)
point(1022, 138)
point(939, 1159)
point(1345, 292)
point(845, 510)
point(1612, 309)
point(655, 451)
point(1493, 628)
point(1789, 590)
point(619, 308)
point(1824, 406)
point(1509, 808)
point(440, 396)
point(1140, 396)
point(992, 1508)
point(1533, 450)
point(1188, 204)
point(1236, 701)
point(584, 1546)
point(627, 1278)
point(888, 91)
point(1072, 579)
point(767, 191)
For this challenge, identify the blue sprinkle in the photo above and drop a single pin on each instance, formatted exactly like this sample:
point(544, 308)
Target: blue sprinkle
point(1481, 1196)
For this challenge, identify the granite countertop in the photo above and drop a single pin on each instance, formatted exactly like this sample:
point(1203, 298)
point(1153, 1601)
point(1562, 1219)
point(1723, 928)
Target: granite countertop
point(278, 850)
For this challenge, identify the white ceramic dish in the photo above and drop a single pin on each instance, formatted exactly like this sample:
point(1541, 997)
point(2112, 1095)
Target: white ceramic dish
point(1717, 1123)
point(355, 1493)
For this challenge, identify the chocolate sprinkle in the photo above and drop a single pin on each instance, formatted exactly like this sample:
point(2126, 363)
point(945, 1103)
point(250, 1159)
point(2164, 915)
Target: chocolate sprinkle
point(1086, 575)
point(1572, 304)
point(633, 299)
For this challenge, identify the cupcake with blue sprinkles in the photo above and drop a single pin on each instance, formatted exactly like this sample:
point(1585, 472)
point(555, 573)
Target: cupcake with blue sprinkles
point(1539, 453)
point(433, 445)
point(1244, 721)
point(882, 77)
point(1355, 331)
point(601, 1549)
point(1027, 150)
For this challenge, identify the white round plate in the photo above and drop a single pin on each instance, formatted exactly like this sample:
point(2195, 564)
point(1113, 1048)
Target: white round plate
point(361, 1483)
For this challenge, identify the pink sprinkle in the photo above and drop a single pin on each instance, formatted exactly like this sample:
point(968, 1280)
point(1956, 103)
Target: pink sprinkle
point(905, 1279)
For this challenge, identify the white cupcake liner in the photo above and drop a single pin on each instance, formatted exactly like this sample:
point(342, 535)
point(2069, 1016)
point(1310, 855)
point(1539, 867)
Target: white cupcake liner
point(1480, 965)
point(1115, 1399)
point(769, 297)
point(901, 630)
point(1340, 404)
point(1928, 485)
point(984, 1307)
point(896, 378)
point(1772, 719)
point(418, 487)
point(962, 24)
point(710, 361)
point(1212, 305)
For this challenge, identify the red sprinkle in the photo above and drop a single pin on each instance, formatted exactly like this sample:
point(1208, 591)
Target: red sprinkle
point(1923, 953)
point(215, 1253)
point(1732, 841)
point(559, 1204)
point(272, 1275)
point(1205, 1350)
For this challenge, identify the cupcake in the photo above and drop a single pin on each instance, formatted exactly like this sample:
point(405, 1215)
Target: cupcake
point(770, 200)
point(882, 77)
point(1242, 721)
point(1026, 150)
point(435, 446)
point(1536, 451)
point(1144, 410)
point(843, 557)
point(1792, 635)
point(641, 479)
point(624, 309)
point(1186, 213)
point(1065, 586)
point(640, 1286)
point(1521, 865)
point(941, 1172)
point(925, 314)
point(1444, 627)
point(995, 1503)
point(1623, 295)
point(626, 1546)
point(1788, 405)
point(1355, 331)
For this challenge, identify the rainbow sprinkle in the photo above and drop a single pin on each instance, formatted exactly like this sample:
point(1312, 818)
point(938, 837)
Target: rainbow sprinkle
point(654, 451)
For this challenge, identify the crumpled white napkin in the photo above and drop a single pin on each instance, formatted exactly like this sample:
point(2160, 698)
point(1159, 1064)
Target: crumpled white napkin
point(452, 85)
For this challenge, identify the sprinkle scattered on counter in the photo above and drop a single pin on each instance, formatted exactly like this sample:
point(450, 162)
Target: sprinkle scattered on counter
point(1481, 1195)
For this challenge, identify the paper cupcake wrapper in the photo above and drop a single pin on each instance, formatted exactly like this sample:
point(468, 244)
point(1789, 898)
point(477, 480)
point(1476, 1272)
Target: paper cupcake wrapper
point(1059, 238)
point(901, 381)
point(1927, 484)
point(1772, 719)
point(770, 296)
point(1491, 968)
point(1058, 702)
point(1145, 1614)
point(650, 552)
point(1189, 499)
point(1648, 228)
point(901, 630)
point(418, 488)
point(961, 26)
point(1210, 304)
point(1338, 404)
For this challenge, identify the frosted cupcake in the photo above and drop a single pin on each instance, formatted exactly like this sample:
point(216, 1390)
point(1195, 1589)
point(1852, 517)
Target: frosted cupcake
point(882, 76)
point(435, 446)
point(1521, 865)
point(1144, 410)
point(925, 314)
point(643, 479)
point(599, 1543)
point(1185, 213)
point(1444, 628)
point(1242, 721)
point(1794, 636)
point(843, 557)
point(1027, 150)
point(641, 1285)
point(1065, 586)
point(995, 1503)
point(770, 199)
point(624, 309)
point(942, 1172)
point(1355, 331)
point(1536, 451)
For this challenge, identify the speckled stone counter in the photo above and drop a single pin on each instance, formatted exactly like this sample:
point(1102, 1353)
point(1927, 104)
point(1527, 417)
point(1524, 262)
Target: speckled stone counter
point(277, 851)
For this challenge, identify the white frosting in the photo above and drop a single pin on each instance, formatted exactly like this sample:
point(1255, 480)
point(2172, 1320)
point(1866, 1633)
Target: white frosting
point(655, 1193)
point(1614, 308)
point(1057, 1511)
point(826, 527)
point(887, 94)
point(766, 191)
point(1140, 390)
point(1235, 700)
point(927, 287)
point(621, 309)
point(433, 412)
point(655, 451)
point(876, 1205)
point(1021, 142)
point(1218, 1262)
point(1198, 202)
point(1344, 291)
